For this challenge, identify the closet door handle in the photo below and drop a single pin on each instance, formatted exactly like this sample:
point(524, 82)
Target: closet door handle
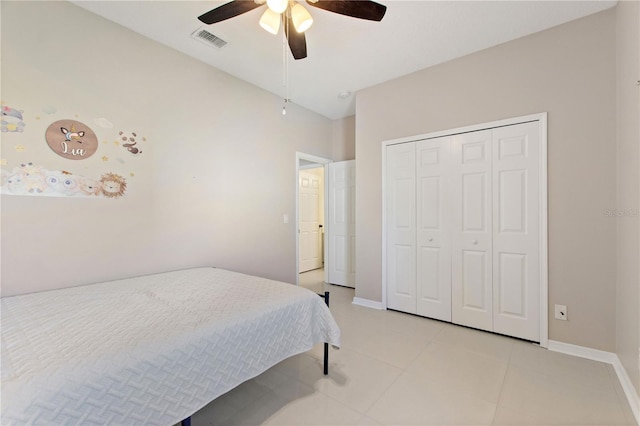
point(474, 242)
point(430, 238)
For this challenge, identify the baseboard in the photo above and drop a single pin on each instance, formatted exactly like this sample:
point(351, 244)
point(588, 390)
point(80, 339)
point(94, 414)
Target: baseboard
point(629, 390)
point(583, 352)
point(367, 303)
point(610, 358)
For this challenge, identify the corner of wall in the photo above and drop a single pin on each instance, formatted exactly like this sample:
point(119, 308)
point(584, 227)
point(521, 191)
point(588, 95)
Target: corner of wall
point(344, 138)
point(627, 209)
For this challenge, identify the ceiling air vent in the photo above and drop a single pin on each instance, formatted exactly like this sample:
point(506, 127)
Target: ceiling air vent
point(208, 38)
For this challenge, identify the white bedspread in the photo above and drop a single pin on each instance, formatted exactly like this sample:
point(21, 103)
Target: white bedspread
point(149, 350)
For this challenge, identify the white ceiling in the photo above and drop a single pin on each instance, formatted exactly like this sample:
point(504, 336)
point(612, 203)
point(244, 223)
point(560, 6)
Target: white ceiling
point(344, 54)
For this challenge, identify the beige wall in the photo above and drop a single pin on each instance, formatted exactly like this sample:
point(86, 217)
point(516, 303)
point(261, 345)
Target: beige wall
point(344, 138)
point(216, 174)
point(628, 245)
point(568, 71)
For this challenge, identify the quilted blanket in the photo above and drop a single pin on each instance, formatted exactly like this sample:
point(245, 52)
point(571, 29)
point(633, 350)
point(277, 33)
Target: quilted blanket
point(149, 350)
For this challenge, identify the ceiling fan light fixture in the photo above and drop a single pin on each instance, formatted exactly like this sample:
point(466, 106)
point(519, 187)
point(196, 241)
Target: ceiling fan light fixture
point(301, 18)
point(278, 6)
point(270, 21)
point(362, 9)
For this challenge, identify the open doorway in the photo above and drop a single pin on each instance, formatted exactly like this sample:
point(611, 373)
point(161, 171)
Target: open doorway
point(311, 210)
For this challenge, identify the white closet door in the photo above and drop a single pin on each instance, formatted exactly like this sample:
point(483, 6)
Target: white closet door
point(342, 225)
point(401, 227)
point(471, 230)
point(516, 242)
point(433, 228)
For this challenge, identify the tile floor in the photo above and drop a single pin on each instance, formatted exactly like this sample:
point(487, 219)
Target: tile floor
point(398, 369)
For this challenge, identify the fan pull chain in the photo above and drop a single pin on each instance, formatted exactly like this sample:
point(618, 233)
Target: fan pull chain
point(285, 65)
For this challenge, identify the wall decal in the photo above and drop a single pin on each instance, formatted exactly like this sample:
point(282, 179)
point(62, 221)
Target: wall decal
point(33, 179)
point(71, 139)
point(50, 109)
point(129, 142)
point(11, 120)
point(113, 185)
point(103, 122)
point(115, 165)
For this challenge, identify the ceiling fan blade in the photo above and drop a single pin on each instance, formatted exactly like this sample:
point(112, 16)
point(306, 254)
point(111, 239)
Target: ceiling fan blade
point(363, 9)
point(297, 41)
point(228, 10)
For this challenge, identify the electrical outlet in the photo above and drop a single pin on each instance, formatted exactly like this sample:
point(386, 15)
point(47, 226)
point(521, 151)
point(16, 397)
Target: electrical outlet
point(561, 312)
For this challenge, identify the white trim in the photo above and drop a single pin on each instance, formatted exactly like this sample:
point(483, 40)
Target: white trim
point(312, 158)
point(384, 226)
point(320, 161)
point(367, 303)
point(472, 128)
point(325, 231)
point(627, 387)
point(607, 357)
point(310, 166)
point(544, 267)
point(582, 352)
point(544, 243)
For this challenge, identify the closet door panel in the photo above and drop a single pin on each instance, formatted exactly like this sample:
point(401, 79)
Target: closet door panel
point(471, 230)
point(463, 222)
point(401, 227)
point(516, 242)
point(433, 223)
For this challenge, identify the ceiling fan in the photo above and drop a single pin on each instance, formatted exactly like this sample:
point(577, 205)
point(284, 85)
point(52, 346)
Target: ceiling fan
point(293, 15)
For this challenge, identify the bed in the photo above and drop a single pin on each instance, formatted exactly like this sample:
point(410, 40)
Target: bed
point(149, 350)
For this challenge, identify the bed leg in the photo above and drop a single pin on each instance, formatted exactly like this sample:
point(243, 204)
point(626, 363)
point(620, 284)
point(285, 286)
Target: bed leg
point(186, 422)
point(326, 359)
point(326, 345)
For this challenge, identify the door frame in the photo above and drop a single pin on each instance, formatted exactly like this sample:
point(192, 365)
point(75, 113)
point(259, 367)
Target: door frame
point(316, 162)
point(541, 118)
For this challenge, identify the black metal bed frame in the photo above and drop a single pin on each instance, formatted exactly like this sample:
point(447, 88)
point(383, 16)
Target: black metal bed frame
point(187, 421)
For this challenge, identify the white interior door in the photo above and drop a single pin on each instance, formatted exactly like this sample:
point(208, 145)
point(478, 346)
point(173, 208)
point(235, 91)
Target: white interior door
point(310, 232)
point(465, 227)
point(342, 225)
point(471, 278)
point(433, 278)
point(400, 180)
point(516, 230)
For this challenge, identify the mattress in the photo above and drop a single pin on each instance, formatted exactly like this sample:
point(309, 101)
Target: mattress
point(149, 350)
